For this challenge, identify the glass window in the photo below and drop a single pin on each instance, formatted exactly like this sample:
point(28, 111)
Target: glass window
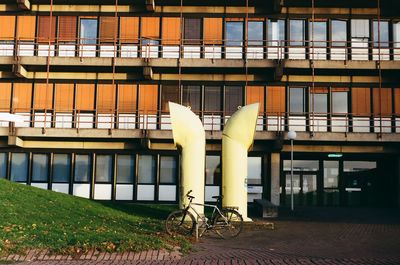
point(168, 169)
point(40, 165)
point(254, 165)
point(353, 166)
point(88, 33)
point(104, 168)
point(382, 34)
point(125, 168)
point(256, 32)
point(296, 100)
point(297, 32)
point(82, 168)
point(319, 37)
point(276, 32)
point(301, 165)
point(192, 97)
point(233, 99)
point(212, 98)
point(320, 101)
point(339, 33)
point(147, 169)
point(169, 93)
point(331, 174)
point(192, 30)
point(234, 33)
point(396, 35)
point(61, 167)
point(3, 165)
point(339, 102)
point(19, 167)
point(213, 170)
point(360, 28)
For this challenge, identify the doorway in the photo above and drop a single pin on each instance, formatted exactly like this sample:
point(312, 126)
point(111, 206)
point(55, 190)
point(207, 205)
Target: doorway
point(304, 188)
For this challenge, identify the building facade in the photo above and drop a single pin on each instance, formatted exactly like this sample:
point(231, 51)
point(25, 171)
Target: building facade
point(93, 82)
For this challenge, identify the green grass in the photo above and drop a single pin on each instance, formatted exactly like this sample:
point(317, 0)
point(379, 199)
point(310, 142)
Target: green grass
point(32, 218)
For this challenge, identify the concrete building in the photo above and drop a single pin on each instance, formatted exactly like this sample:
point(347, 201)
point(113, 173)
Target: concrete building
point(93, 82)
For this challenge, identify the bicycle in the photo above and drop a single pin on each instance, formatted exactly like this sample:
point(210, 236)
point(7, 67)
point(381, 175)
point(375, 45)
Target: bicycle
point(227, 223)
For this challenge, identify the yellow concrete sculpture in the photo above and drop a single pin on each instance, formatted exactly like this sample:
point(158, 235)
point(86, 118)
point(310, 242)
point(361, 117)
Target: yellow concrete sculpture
point(189, 136)
point(237, 138)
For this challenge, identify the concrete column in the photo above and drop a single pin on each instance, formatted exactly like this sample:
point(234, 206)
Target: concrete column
point(275, 178)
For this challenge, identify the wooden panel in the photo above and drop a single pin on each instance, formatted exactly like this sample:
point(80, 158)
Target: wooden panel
point(85, 97)
point(361, 101)
point(319, 90)
point(43, 96)
point(26, 26)
point(171, 30)
point(5, 96)
point(7, 27)
point(129, 29)
point(275, 100)
point(234, 19)
point(150, 27)
point(384, 105)
point(108, 29)
point(397, 101)
point(106, 98)
point(255, 94)
point(44, 33)
point(213, 31)
point(340, 89)
point(22, 97)
point(148, 98)
point(64, 100)
point(67, 28)
point(127, 97)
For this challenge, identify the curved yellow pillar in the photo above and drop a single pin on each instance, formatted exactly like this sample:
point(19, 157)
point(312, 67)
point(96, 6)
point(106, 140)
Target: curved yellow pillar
point(237, 138)
point(189, 137)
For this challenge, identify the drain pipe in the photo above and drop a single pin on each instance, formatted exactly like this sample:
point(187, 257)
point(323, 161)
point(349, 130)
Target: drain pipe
point(189, 138)
point(237, 138)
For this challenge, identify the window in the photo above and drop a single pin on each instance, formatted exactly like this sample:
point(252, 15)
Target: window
point(276, 100)
point(88, 33)
point(396, 36)
point(255, 33)
point(276, 32)
point(171, 30)
point(64, 98)
point(296, 100)
point(256, 94)
point(61, 168)
point(319, 102)
point(85, 97)
point(297, 32)
point(67, 28)
point(339, 33)
point(233, 99)
point(339, 101)
point(150, 27)
point(301, 165)
point(319, 36)
point(254, 170)
point(212, 31)
point(3, 165)
point(26, 28)
point(106, 98)
point(19, 167)
point(381, 33)
point(129, 31)
point(127, 97)
point(213, 170)
point(7, 28)
point(83, 164)
point(192, 97)
point(40, 165)
point(354, 166)
point(22, 97)
point(360, 28)
point(212, 98)
point(168, 169)
point(147, 169)
point(234, 33)
point(43, 96)
point(148, 98)
point(125, 169)
point(169, 93)
point(5, 97)
point(382, 101)
point(361, 101)
point(44, 32)
point(192, 30)
point(108, 29)
point(104, 168)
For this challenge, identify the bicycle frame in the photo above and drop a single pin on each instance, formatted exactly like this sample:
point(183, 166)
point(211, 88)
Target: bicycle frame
point(204, 218)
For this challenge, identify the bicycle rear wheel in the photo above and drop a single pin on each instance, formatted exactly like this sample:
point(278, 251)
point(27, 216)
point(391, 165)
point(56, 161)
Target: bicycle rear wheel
point(180, 222)
point(229, 224)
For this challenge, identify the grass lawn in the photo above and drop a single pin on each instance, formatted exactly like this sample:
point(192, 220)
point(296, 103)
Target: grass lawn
point(31, 218)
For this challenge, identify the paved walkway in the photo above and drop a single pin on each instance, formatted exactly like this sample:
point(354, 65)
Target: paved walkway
point(309, 236)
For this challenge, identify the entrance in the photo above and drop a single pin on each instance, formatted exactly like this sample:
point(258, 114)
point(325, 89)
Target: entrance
point(304, 188)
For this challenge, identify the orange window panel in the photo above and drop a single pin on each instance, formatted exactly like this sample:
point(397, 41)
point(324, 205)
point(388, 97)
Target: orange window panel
point(108, 29)
point(22, 97)
point(275, 100)
point(234, 19)
point(340, 89)
point(85, 97)
point(43, 96)
point(212, 31)
point(171, 30)
point(255, 94)
point(26, 26)
point(44, 32)
point(5, 96)
point(127, 96)
point(148, 98)
point(7, 27)
point(150, 27)
point(383, 101)
point(256, 19)
point(67, 28)
point(397, 101)
point(129, 27)
point(361, 101)
point(319, 90)
point(64, 98)
point(106, 98)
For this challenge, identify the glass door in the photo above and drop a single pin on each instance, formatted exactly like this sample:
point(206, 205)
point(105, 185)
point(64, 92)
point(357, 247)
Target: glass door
point(304, 189)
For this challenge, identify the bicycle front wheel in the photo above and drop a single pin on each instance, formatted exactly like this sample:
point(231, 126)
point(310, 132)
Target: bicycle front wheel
point(229, 224)
point(180, 222)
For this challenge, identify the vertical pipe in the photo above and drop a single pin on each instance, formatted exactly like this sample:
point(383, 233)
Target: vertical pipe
point(291, 176)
